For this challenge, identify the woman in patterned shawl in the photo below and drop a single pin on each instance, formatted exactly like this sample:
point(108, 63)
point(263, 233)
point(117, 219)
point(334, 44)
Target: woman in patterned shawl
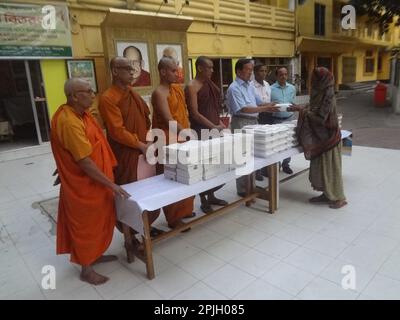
point(319, 135)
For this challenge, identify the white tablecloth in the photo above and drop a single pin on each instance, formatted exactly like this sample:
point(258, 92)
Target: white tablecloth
point(156, 192)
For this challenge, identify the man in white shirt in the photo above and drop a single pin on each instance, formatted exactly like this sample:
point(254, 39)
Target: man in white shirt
point(263, 90)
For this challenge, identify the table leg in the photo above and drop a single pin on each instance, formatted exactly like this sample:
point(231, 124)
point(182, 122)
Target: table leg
point(128, 237)
point(148, 251)
point(273, 187)
point(249, 188)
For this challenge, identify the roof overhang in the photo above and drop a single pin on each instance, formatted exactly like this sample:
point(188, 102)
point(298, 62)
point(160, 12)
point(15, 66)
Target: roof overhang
point(120, 18)
point(311, 44)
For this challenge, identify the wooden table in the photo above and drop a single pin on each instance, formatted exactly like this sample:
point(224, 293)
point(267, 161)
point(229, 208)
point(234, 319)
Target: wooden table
point(144, 250)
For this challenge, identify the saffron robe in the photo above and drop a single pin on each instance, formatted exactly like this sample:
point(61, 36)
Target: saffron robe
point(86, 211)
point(126, 116)
point(177, 106)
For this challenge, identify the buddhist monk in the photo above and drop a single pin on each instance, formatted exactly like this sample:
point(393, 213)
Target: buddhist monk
point(203, 98)
point(126, 117)
point(86, 212)
point(168, 100)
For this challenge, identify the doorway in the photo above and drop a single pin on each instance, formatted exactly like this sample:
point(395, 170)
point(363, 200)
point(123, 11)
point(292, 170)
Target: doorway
point(24, 119)
point(349, 69)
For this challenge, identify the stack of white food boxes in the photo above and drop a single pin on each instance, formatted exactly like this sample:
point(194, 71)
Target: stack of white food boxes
point(291, 134)
point(196, 160)
point(183, 162)
point(216, 155)
point(271, 139)
point(241, 145)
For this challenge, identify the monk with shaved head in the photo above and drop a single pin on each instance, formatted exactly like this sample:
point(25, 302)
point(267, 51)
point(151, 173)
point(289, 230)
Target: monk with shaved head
point(86, 212)
point(203, 98)
point(170, 52)
point(169, 105)
point(127, 119)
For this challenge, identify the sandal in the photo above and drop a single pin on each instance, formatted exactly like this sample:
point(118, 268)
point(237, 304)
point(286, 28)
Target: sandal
point(337, 204)
point(154, 232)
point(191, 215)
point(206, 208)
point(319, 199)
point(217, 202)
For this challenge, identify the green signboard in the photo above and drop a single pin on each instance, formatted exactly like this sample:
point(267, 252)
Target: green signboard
point(34, 31)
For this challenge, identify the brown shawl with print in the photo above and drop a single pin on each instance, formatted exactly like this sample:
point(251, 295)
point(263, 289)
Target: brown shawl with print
point(317, 128)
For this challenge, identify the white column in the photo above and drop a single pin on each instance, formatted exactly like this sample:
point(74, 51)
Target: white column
point(292, 5)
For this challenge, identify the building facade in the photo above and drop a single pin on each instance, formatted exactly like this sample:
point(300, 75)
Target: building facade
point(224, 30)
point(276, 32)
point(355, 55)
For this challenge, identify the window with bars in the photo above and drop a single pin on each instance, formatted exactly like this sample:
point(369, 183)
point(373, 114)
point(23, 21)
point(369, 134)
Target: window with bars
point(369, 62)
point(319, 19)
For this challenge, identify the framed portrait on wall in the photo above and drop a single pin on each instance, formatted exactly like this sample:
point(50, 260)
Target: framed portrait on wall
point(83, 68)
point(138, 53)
point(174, 51)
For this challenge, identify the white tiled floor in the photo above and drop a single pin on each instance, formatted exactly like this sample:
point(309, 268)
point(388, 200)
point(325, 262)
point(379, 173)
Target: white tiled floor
point(297, 253)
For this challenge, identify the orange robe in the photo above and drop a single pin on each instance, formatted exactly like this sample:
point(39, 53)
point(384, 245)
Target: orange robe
point(177, 107)
point(127, 120)
point(86, 212)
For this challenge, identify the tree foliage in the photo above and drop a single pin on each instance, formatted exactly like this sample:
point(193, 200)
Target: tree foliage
point(382, 12)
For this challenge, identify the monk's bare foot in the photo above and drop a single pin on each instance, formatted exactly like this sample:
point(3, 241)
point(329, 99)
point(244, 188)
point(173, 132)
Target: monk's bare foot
point(337, 204)
point(106, 258)
point(319, 199)
point(92, 277)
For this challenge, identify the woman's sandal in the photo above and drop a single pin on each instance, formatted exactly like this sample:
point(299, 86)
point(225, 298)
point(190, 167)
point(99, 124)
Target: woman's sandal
point(320, 199)
point(337, 204)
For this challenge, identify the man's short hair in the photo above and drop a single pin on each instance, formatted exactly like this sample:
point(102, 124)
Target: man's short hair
point(201, 61)
point(240, 64)
point(258, 66)
point(279, 68)
point(124, 53)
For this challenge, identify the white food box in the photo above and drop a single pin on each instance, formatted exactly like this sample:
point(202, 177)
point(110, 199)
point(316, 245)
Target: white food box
point(212, 148)
point(190, 168)
point(190, 152)
point(170, 175)
point(190, 171)
point(170, 167)
point(264, 154)
point(280, 148)
point(242, 143)
point(171, 154)
point(283, 106)
point(188, 180)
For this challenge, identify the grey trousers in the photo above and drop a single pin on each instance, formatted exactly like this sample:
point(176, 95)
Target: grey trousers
point(242, 182)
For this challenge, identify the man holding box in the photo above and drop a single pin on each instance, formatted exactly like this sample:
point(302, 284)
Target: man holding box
point(244, 105)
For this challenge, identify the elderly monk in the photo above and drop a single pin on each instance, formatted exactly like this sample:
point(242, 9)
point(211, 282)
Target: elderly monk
point(126, 117)
point(204, 102)
point(86, 212)
point(168, 100)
